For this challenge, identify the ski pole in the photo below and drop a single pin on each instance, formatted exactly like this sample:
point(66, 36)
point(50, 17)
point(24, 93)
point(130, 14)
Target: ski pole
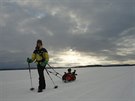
point(54, 70)
point(30, 77)
point(54, 74)
point(55, 86)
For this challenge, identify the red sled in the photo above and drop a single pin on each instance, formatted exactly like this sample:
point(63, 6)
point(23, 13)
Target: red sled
point(68, 77)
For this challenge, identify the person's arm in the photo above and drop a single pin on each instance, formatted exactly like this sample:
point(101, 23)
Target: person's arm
point(46, 56)
point(33, 57)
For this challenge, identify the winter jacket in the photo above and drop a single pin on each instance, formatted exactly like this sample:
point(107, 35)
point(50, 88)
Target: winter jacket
point(40, 55)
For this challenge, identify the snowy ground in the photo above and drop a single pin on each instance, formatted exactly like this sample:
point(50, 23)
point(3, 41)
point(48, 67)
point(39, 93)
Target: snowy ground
point(92, 84)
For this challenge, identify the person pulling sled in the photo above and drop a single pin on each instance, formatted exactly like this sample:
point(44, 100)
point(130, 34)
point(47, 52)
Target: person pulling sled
point(41, 57)
point(69, 76)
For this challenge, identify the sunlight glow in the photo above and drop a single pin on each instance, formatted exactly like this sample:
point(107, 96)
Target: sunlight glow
point(75, 58)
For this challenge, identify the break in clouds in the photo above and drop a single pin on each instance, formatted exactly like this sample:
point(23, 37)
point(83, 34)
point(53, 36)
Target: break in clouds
point(73, 31)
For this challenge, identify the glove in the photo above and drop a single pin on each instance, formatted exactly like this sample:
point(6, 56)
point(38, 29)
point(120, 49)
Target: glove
point(44, 63)
point(29, 60)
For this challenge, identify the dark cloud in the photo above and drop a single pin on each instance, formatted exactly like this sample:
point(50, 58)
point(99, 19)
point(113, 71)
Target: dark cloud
point(99, 27)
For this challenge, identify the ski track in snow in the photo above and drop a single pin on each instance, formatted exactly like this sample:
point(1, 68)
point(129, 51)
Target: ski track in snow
point(92, 84)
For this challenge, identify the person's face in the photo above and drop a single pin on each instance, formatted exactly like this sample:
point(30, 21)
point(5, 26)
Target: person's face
point(39, 44)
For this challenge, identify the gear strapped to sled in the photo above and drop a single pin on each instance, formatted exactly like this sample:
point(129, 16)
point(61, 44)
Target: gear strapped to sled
point(67, 77)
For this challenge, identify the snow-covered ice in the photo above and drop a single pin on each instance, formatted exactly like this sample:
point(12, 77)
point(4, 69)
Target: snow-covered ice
point(92, 84)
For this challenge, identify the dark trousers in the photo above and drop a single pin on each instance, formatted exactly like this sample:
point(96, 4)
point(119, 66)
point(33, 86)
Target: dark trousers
point(42, 84)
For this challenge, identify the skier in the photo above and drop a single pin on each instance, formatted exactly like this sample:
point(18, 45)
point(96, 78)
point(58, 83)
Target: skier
point(41, 57)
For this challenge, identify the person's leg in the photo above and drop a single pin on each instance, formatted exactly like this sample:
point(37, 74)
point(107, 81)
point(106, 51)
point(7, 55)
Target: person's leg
point(42, 84)
point(43, 79)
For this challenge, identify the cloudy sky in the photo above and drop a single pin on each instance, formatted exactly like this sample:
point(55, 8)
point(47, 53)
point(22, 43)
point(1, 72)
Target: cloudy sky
point(75, 32)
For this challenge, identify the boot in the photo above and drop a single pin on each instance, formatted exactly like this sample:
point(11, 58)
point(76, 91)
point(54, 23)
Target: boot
point(40, 90)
